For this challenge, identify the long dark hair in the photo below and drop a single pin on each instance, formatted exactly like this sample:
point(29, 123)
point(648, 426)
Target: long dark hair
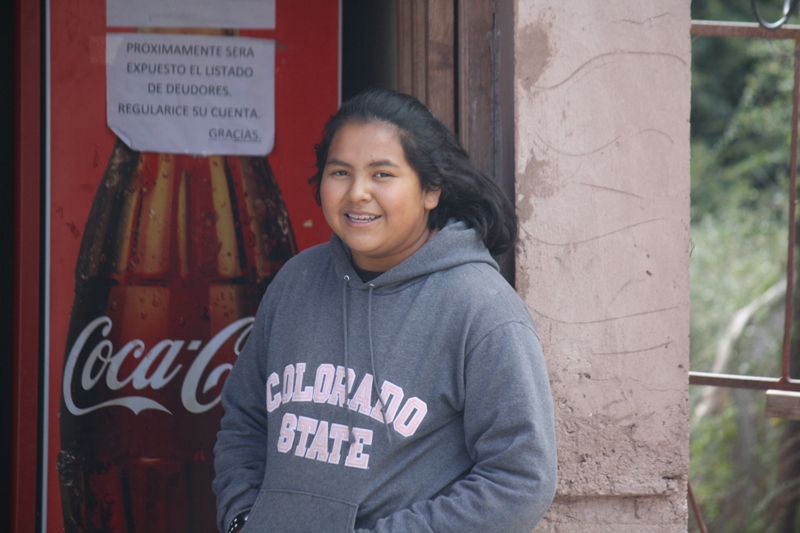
point(442, 164)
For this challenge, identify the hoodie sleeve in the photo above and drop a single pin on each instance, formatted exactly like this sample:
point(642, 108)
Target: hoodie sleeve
point(240, 450)
point(510, 435)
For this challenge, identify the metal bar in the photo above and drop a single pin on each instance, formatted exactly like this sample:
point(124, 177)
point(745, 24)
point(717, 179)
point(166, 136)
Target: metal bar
point(696, 508)
point(787, 328)
point(732, 381)
point(789, 7)
point(709, 28)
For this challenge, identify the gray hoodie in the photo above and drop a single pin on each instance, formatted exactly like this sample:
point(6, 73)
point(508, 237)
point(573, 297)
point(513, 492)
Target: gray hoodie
point(416, 402)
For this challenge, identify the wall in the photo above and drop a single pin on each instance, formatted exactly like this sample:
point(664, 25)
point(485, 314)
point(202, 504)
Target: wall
point(602, 95)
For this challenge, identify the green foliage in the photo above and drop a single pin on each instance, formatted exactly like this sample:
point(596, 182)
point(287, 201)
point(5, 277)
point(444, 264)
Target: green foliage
point(722, 10)
point(741, 114)
point(711, 470)
point(717, 66)
point(740, 197)
point(735, 475)
point(736, 256)
point(746, 165)
point(717, 83)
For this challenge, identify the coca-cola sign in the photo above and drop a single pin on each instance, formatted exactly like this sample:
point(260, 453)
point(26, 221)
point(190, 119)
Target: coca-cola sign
point(101, 367)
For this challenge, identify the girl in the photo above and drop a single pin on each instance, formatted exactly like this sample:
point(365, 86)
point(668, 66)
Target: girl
point(393, 381)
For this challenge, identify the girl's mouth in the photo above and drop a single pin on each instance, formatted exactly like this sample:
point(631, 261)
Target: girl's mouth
point(361, 218)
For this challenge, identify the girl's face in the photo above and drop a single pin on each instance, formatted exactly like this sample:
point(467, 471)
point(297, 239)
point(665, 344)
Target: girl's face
point(372, 198)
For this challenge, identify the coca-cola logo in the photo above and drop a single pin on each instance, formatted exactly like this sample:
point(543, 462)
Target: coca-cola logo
point(102, 366)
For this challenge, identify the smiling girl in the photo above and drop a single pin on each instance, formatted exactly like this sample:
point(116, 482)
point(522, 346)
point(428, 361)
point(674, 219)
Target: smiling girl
point(393, 380)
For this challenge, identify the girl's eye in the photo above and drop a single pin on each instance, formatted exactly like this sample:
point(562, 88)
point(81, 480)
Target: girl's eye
point(339, 173)
point(382, 175)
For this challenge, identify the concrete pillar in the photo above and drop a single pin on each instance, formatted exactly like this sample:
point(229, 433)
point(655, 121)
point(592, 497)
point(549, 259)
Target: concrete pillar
point(602, 92)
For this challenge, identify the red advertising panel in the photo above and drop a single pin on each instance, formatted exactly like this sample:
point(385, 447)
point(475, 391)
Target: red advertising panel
point(155, 261)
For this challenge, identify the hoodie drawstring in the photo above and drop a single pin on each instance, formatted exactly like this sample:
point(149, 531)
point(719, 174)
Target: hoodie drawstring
point(350, 436)
point(372, 359)
point(375, 379)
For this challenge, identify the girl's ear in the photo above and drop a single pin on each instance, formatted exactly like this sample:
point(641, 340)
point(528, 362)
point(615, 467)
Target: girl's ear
point(430, 198)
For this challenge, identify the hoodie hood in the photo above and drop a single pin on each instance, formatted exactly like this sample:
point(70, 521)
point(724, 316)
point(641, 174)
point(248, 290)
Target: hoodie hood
point(453, 245)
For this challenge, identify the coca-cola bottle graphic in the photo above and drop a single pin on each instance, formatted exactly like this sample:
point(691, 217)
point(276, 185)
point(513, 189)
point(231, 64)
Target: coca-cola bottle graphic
point(176, 254)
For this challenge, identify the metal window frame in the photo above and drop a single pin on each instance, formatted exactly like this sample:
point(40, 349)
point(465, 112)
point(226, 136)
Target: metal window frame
point(784, 382)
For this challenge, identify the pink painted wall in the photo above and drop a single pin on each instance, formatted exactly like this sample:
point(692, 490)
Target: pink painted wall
point(602, 93)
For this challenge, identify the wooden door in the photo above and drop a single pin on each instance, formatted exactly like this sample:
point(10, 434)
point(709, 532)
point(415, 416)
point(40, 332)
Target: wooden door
point(457, 57)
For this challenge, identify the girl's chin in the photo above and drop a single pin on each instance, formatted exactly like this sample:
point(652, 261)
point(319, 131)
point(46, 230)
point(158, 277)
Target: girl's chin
point(360, 249)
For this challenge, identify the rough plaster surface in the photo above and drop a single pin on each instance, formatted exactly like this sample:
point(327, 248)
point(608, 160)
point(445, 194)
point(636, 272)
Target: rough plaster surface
point(602, 156)
point(614, 515)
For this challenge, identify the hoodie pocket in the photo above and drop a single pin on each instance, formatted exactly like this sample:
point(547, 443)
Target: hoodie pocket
point(284, 511)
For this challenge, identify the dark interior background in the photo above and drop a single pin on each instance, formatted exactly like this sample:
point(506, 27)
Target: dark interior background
point(369, 45)
point(7, 143)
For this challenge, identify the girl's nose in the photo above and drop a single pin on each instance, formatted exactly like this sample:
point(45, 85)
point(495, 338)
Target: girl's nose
point(359, 190)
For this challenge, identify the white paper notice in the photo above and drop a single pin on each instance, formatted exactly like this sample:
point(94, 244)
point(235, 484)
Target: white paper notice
point(191, 13)
point(191, 94)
